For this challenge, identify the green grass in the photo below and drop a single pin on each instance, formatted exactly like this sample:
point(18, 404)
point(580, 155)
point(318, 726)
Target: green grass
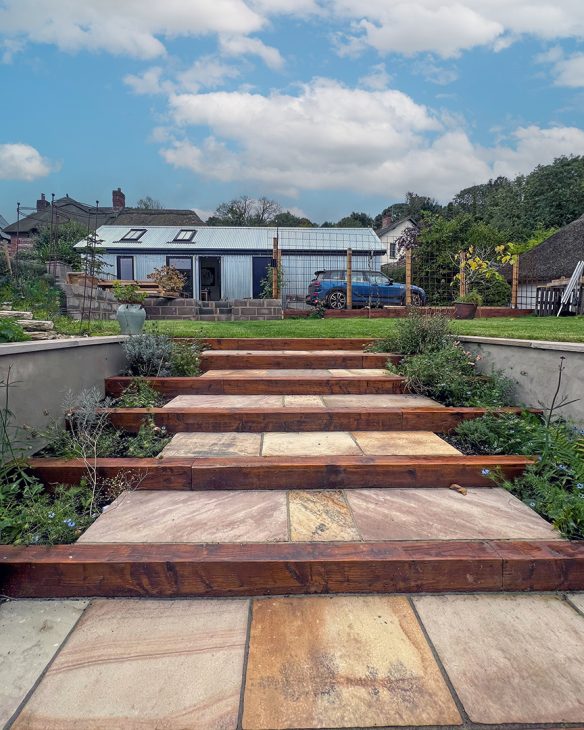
point(564, 329)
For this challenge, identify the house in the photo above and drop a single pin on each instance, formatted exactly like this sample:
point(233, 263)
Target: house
point(221, 262)
point(554, 260)
point(389, 234)
point(4, 237)
point(23, 231)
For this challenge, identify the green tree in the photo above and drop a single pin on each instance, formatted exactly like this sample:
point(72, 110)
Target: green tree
point(59, 246)
point(246, 211)
point(149, 203)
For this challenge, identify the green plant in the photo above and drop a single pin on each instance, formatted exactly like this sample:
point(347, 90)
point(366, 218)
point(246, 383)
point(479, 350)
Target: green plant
point(149, 441)
point(148, 355)
point(11, 331)
point(185, 360)
point(503, 433)
point(471, 297)
point(267, 283)
point(59, 244)
point(139, 394)
point(128, 293)
point(168, 278)
point(417, 334)
point(318, 311)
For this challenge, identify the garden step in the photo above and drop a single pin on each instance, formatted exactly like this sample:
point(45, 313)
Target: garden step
point(295, 417)
point(288, 343)
point(311, 359)
point(284, 472)
point(285, 382)
point(180, 570)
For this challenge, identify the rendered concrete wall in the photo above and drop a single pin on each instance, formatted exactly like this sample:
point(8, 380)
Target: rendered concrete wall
point(43, 372)
point(533, 365)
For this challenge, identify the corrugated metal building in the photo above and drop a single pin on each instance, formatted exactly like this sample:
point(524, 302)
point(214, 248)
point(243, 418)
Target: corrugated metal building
point(228, 262)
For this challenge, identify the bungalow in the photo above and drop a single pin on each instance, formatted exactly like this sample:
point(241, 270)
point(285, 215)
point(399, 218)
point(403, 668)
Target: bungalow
point(389, 234)
point(222, 263)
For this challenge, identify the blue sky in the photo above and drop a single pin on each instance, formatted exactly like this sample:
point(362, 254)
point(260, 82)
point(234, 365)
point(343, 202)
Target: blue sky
point(326, 105)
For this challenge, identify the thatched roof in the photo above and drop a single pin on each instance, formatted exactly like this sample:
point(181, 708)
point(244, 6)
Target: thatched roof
point(557, 256)
point(155, 217)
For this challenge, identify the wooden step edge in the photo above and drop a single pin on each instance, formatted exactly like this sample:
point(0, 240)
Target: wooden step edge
point(182, 570)
point(286, 418)
point(279, 472)
point(287, 343)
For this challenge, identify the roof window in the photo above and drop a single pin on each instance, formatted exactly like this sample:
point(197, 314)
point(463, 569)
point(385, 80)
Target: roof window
point(185, 234)
point(134, 234)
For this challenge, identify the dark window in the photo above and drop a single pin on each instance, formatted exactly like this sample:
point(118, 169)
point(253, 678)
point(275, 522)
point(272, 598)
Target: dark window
point(126, 268)
point(185, 235)
point(134, 234)
point(393, 250)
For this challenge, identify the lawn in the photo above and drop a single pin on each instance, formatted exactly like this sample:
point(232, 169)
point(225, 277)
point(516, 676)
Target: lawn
point(565, 329)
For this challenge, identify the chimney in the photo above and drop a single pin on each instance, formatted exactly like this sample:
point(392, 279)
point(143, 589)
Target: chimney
point(118, 199)
point(387, 220)
point(42, 203)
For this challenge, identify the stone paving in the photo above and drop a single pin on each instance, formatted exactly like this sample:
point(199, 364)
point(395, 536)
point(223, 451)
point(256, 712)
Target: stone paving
point(364, 401)
point(303, 662)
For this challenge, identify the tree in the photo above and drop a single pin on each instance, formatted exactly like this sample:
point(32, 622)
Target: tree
point(59, 246)
point(246, 211)
point(289, 220)
point(148, 203)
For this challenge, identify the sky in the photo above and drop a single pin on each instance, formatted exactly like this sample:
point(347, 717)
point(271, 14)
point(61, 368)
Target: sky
point(327, 106)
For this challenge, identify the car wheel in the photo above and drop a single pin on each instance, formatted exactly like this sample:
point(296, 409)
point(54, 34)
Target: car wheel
point(337, 300)
point(416, 299)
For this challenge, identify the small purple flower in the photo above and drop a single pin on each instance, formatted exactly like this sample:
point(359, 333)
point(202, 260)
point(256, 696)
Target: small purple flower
point(532, 504)
point(579, 485)
point(51, 515)
point(69, 523)
point(485, 472)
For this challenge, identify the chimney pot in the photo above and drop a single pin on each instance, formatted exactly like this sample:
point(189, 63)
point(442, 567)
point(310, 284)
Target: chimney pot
point(42, 203)
point(118, 199)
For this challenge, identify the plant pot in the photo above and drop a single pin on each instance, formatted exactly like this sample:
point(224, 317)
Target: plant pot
point(464, 310)
point(131, 318)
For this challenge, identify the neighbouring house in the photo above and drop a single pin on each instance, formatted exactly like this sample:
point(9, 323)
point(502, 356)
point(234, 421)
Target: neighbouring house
point(226, 263)
point(551, 263)
point(389, 234)
point(4, 237)
point(23, 231)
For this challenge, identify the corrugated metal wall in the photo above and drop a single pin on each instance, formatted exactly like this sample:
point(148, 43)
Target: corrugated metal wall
point(236, 277)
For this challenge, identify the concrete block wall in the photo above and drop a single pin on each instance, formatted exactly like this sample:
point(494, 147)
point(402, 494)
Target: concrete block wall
point(103, 304)
point(221, 311)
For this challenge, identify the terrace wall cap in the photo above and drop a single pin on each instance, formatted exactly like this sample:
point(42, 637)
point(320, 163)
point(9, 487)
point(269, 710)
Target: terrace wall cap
point(23, 348)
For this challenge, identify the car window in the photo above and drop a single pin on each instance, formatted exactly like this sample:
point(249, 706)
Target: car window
point(358, 277)
point(378, 279)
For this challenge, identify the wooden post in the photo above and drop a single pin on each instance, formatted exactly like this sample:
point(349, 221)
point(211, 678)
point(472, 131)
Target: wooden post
point(408, 277)
point(349, 278)
point(462, 270)
point(275, 292)
point(515, 282)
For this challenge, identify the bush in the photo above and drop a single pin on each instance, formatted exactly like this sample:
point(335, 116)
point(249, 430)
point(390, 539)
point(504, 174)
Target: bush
point(185, 360)
point(448, 375)
point(11, 331)
point(505, 433)
point(495, 293)
point(149, 441)
point(139, 394)
point(148, 355)
point(417, 334)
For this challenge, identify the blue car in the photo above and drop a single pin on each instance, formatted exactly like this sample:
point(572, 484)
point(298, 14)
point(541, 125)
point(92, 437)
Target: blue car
point(370, 289)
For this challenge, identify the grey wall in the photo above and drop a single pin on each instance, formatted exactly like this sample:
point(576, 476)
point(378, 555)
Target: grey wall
point(533, 365)
point(43, 373)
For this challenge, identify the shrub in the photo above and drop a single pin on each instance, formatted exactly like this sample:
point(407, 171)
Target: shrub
point(11, 331)
point(185, 360)
point(417, 334)
point(471, 297)
point(148, 355)
point(149, 441)
point(139, 394)
point(448, 375)
point(168, 278)
point(128, 293)
point(505, 433)
point(495, 293)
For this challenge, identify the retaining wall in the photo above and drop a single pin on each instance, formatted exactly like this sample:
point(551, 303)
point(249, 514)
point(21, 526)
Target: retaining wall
point(533, 366)
point(43, 373)
point(221, 311)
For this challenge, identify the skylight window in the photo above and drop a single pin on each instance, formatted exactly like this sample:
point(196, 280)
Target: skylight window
point(134, 234)
point(185, 234)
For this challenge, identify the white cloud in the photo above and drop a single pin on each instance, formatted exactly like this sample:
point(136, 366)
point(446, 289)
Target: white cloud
point(203, 214)
point(567, 70)
point(207, 72)
point(377, 78)
point(9, 48)
point(22, 162)
point(433, 72)
point(333, 137)
point(148, 82)
point(244, 46)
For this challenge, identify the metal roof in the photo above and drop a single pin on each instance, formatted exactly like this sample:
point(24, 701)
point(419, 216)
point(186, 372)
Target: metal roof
point(244, 238)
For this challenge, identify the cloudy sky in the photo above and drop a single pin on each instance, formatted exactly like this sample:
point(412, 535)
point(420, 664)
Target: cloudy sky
point(327, 105)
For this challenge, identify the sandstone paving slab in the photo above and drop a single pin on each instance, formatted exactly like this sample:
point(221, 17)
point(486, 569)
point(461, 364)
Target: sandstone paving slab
point(303, 401)
point(444, 514)
point(511, 658)
point(341, 662)
point(381, 400)
point(577, 600)
point(312, 443)
point(146, 665)
point(31, 632)
point(320, 516)
point(402, 443)
point(213, 444)
point(358, 372)
point(157, 516)
point(226, 401)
